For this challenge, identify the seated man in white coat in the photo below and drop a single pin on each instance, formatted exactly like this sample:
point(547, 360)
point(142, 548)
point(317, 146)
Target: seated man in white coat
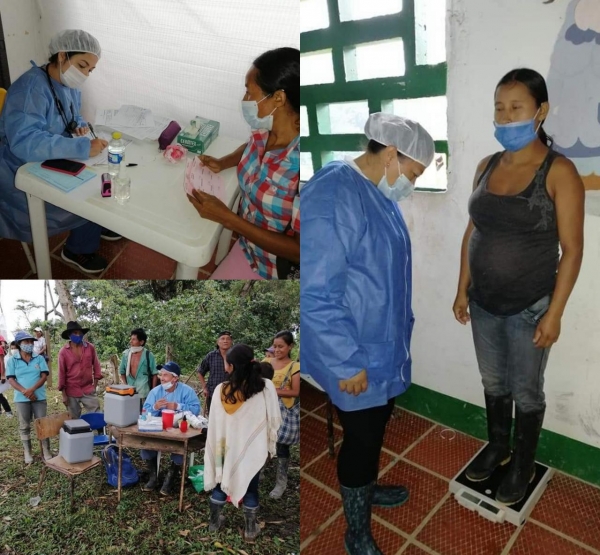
point(173, 395)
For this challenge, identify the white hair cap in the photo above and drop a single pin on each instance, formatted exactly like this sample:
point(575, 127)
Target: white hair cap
point(74, 40)
point(409, 137)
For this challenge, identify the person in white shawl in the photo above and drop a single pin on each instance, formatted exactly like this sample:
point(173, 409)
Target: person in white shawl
point(242, 432)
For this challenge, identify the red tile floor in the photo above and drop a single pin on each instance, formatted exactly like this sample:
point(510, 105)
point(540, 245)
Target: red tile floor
point(566, 521)
point(127, 260)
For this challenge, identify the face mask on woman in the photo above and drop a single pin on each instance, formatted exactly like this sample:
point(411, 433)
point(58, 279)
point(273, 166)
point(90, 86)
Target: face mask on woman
point(401, 188)
point(27, 348)
point(72, 78)
point(250, 112)
point(517, 135)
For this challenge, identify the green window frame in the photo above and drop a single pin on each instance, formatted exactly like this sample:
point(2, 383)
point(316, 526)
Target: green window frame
point(419, 81)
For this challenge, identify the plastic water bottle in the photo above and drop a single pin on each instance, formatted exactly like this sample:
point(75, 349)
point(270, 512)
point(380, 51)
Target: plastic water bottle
point(144, 414)
point(116, 148)
point(122, 185)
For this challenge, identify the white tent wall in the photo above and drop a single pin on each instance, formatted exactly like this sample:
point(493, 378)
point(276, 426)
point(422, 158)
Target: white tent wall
point(179, 58)
point(21, 25)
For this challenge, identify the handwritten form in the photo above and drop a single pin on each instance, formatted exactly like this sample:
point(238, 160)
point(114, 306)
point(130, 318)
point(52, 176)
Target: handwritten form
point(199, 177)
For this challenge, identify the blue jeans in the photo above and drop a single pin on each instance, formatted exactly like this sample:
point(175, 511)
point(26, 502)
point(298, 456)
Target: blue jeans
point(84, 239)
point(509, 362)
point(147, 455)
point(250, 500)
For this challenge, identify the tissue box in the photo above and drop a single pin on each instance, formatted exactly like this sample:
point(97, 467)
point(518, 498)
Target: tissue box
point(208, 131)
point(151, 424)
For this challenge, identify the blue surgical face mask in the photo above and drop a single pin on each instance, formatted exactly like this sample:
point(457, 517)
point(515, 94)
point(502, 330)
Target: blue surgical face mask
point(77, 339)
point(517, 135)
point(250, 112)
point(400, 189)
point(27, 348)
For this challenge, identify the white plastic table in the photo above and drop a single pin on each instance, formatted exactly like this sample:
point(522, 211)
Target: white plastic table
point(158, 214)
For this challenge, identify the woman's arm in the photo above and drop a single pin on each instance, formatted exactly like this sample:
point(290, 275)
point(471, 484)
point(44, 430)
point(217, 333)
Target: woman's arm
point(295, 389)
point(461, 302)
point(569, 200)
point(279, 244)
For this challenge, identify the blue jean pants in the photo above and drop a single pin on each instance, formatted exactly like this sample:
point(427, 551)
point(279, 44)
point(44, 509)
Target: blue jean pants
point(508, 360)
point(250, 500)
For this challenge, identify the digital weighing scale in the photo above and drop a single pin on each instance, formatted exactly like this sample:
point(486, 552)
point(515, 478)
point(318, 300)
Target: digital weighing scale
point(481, 496)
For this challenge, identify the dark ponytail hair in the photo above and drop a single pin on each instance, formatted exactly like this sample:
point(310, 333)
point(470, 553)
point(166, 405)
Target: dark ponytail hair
point(246, 375)
point(279, 70)
point(536, 85)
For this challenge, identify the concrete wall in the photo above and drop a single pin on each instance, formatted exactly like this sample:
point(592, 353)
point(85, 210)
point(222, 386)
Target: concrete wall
point(485, 40)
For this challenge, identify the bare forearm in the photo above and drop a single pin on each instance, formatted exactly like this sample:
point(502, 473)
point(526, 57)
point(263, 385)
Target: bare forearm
point(279, 244)
point(233, 159)
point(568, 271)
point(464, 278)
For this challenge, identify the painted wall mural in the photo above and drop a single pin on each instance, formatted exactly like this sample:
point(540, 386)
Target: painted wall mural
point(574, 90)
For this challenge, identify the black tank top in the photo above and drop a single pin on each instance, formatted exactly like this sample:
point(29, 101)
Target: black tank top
point(513, 250)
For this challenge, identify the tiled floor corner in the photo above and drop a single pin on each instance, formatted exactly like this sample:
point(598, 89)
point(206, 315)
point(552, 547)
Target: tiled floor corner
point(424, 456)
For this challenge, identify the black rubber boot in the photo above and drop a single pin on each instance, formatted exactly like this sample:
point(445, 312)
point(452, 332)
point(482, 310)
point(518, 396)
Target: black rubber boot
point(150, 485)
point(389, 496)
point(171, 479)
point(251, 528)
point(357, 510)
point(522, 467)
point(497, 451)
point(216, 518)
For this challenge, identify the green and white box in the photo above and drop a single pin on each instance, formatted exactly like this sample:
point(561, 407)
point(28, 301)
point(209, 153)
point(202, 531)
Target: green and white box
point(199, 135)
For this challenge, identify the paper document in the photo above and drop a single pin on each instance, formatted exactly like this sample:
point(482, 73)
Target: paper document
point(105, 117)
point(199, 177)
point(61, 181)
point(133, 116)
point(114, 120)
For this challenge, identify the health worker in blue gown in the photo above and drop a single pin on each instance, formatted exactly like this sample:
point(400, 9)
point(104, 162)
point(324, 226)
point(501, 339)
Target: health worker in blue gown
point(41, 120)
point(356, 315)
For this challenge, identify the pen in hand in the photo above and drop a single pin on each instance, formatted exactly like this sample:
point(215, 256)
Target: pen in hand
point(92, 130)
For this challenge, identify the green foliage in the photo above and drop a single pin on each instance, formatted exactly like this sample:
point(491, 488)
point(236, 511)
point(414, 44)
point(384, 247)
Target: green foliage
point(186, 315)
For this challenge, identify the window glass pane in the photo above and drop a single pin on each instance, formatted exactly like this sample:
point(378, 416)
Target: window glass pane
point(365, 9)
point(430, 31)
point(342, 117)
point(316, 68)
point(375, 59)
point(303, 121)
point(430, 112)
point(306, 166)
point(313, 15)
point(436, 175)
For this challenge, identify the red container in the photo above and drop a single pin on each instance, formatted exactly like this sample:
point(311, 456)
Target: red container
point(167, 418)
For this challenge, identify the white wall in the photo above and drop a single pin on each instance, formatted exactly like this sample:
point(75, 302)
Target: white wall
point(485, 40)
point(179, 58)
point(21, 24)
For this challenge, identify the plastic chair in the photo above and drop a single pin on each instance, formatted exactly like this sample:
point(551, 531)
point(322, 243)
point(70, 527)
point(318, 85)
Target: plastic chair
point(49, 427)
point(96, 422)
point(23, 244)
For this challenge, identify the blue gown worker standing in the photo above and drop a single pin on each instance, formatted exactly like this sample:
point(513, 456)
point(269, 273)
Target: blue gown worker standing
point(356, 313)
point(41, 120)
point(173, 395)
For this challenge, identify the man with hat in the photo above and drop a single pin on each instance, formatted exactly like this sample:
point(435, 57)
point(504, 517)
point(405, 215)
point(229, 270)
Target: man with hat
point(27, 374)
point(39, 345)
point(214, 363)
point(138, 366)
point(173, 395)
point(78, 371)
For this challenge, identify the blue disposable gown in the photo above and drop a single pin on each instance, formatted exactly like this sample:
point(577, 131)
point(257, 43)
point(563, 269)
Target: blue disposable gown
point(31, 130)
point(355, 287)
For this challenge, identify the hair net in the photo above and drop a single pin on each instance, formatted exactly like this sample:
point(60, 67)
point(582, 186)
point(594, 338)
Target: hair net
point(74, 40)
point(409, 137)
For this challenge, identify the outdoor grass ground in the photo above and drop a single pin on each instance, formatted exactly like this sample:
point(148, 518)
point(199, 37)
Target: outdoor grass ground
point(142, 523)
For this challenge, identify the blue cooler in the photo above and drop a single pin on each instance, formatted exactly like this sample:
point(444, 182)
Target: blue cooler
point(76, 441)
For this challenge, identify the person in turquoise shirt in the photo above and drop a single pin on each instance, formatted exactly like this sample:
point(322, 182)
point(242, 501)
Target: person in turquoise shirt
point(27, 374)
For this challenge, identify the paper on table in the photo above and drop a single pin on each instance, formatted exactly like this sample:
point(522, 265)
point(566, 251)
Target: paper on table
point(105, 117)
point(61, 181)
point(199, 177)
point(133, 116)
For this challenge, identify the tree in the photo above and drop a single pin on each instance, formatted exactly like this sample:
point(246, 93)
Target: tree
point(66, 301)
